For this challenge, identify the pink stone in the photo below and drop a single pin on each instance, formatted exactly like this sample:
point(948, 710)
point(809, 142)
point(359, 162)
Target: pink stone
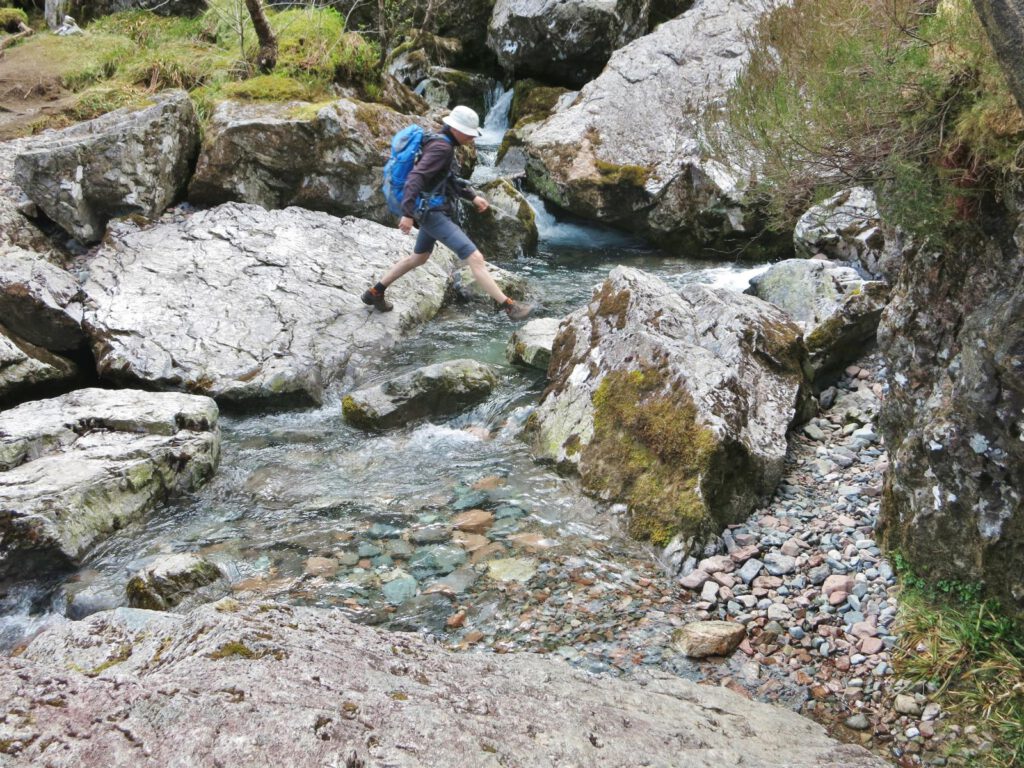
point(694, 580)
point(837, 598)
point(836, 583)
point(869, 646)
point(717, 564)
point(864, 629)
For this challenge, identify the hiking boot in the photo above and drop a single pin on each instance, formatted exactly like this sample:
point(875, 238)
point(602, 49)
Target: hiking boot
point(375, 299)
point(517, 310)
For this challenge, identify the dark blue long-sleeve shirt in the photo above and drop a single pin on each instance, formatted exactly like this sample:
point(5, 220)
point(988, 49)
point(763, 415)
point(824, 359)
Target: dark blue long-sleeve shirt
point(437, 167)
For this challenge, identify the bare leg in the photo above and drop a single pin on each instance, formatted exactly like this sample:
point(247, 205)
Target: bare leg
point(483, 277)
point(403, 265)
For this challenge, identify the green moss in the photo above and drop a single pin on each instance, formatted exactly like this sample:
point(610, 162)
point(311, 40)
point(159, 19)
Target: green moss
point(10, 18)
point(533, 102)
point(121, 656)
point(622, 175)
point(826, 334)
point(273, 87)
point(231, 649)
point(649, 451)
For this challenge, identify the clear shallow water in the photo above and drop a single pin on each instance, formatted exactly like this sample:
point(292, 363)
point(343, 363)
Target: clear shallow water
point(302, 484)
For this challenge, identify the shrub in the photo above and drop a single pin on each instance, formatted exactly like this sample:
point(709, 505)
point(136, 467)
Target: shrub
point(897, 94)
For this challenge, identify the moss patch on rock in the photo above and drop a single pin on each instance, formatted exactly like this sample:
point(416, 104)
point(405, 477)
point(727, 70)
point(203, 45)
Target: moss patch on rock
point(649, 451)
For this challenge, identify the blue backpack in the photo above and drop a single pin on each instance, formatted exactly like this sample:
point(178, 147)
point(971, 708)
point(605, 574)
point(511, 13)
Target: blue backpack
point(405, 151)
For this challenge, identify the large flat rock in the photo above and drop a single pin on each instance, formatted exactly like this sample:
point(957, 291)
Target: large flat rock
point(247, 305)
point(76, 467)
point(268, 685)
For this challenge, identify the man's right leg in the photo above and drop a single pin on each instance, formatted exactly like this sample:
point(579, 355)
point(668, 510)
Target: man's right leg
point(421, 252)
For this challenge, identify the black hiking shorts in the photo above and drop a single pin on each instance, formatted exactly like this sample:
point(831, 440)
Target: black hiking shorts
point(434, 226)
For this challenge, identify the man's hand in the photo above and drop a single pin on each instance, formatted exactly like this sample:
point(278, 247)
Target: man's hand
point(480, 204)
point(405, 225)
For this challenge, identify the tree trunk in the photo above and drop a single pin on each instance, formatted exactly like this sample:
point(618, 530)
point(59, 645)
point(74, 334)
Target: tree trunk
point(266, 57)
point(1004, 22)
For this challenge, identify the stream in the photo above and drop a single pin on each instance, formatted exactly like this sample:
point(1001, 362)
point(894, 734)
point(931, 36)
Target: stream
point(307, 510)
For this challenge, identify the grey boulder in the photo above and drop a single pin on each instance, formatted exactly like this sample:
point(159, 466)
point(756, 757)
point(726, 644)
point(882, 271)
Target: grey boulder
point(76, 467)
point(270, 685)
point(677, 404)
point(322, 157)
point(835, 307)
point(531, 343)
point(169, 580)
point(434, 390)
point(628, 150)
point(125, 162)
point(563, 41)
point(27, 370)
point(847, 227)
point(40, 302)
point(16, 228)
point(508, 228)
point(249, 305)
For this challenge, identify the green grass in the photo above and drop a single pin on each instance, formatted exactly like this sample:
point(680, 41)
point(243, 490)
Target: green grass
point(973, 655)
point(125, 57)
point(902, 95)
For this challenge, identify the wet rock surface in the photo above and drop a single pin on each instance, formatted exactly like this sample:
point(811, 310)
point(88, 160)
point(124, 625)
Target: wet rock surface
point(121, 163)
point(508, 229)
point(835, 307)
point(76, 467)
point(432, 391)
point(605, 156)
point(321, 157)
point(269, 662)
point(169, 580)
point(16, 229)
point(644, 370)
point(250, 305)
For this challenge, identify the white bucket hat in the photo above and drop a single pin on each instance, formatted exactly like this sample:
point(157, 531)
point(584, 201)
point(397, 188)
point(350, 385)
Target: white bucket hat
point(464, 120)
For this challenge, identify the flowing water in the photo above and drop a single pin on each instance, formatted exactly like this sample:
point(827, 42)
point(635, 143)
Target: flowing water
point(308, 510)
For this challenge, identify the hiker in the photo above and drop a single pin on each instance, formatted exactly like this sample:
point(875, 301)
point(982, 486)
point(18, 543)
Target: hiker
point(427, 203)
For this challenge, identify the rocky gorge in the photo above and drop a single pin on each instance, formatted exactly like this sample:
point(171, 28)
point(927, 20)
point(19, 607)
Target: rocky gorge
point(683, 471)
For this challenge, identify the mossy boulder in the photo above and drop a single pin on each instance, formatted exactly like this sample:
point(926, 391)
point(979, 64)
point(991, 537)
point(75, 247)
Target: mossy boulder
point(506, 230)
point(170, 580)
point(325, 157)
point(836, 308)
point(410, 61)
point(445, 87)
point(435, 390)
point(677, 404)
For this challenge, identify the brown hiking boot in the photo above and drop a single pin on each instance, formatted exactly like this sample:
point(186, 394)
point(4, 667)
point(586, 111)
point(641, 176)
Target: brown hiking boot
point(375, 299)
point(517, 310)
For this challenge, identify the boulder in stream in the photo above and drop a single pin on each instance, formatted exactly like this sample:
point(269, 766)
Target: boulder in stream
point(627, 152)
point(131, 161)
point(441, 389)
point(677, 404)
point(170, 579)
point(270, 675)
point(76, 467)
point(508, 228)
point(249, 305)
point(531, 343)
point(836, 308)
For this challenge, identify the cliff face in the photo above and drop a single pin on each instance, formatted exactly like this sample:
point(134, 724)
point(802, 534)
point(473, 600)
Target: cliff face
point(953, 337)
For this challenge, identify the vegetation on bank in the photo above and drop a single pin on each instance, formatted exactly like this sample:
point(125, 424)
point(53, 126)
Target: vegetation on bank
point(905, 96)
point(971, 655)
point(125, 57)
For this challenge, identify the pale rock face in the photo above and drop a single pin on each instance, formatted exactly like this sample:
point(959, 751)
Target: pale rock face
point(306, 686)
point(27, 370)
point(127, 161)
point(76, 467)
point(249, 305)
point(628, 150)
point(16, 229)
point(40, 302)
point(508, 229)
point(531, 344)
point(642, 368)
point(563, 42)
